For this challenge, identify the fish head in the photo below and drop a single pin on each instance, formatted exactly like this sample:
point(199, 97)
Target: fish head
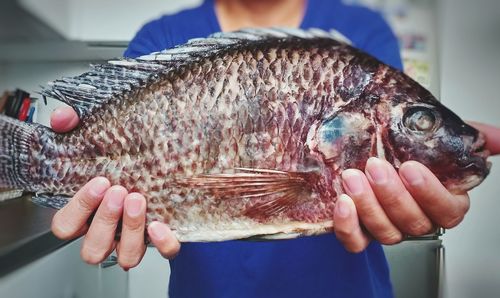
point(409, 126)
point(428, 132)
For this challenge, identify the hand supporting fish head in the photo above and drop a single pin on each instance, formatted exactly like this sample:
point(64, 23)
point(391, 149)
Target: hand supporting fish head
point(432, 134)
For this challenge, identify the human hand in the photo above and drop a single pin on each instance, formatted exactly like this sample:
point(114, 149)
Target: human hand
point(390, 205)
point(110, 204)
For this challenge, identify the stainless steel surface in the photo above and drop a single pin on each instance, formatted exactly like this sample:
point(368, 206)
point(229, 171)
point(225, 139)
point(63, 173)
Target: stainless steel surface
point(416, 268)
point(431, 236)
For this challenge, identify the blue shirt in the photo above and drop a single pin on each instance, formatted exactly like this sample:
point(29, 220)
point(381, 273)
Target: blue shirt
point(306, 267)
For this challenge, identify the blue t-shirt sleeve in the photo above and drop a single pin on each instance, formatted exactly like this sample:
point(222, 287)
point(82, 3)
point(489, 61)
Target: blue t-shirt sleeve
point(143, 41)
point(365, 28)
point(378, 39)
point(381, 42)
point(150, 38)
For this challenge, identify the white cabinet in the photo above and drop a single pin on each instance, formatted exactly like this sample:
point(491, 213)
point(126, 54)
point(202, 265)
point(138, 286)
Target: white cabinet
point(109, 20)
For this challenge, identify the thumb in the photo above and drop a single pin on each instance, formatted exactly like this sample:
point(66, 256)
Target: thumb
point(63, 119)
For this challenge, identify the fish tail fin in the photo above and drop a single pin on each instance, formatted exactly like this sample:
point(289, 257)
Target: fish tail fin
point(15, 138)
point(50, 201)
point(10, 194)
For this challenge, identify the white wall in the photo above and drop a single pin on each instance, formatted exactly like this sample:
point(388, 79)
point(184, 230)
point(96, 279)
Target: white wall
point(470, 86)
point(151, 277)
point(109, 20)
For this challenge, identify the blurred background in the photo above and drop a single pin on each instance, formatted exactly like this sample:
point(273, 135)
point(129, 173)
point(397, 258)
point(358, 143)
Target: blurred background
point(450, 46)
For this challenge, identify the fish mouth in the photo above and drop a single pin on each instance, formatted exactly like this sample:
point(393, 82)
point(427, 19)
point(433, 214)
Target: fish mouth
point(478, 149)
point(478, 164)
point(478, 160)
point(473, 166)
point(481, 153)
point(479, 144)
point(475, 172)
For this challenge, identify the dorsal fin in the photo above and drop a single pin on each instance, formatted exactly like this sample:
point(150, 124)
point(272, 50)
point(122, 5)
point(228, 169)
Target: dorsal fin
point(102, 83)
point(111, 81)
point(200, 47)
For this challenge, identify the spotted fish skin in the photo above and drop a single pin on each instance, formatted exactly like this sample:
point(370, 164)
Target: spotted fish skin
point(230, 137)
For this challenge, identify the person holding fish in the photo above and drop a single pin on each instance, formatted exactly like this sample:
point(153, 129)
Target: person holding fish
point(382, 206)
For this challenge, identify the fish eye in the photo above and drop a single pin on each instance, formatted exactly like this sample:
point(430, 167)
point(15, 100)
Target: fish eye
point(420, 119)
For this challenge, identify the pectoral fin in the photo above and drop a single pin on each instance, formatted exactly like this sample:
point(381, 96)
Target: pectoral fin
point(274, 191)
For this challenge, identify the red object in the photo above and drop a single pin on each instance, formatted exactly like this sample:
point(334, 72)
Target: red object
point(24, 110)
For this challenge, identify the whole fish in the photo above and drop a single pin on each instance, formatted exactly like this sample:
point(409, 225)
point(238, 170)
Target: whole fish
point(241, 134)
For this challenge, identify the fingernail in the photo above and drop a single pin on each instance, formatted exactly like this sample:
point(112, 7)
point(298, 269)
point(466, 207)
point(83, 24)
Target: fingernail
point(115, 199)
point(62, 111)
point(133, 205)
point(98, 187)
point(157, 230)
point(57, 112)
point(412, 174)
point(377, 170)
point(352, 181)
point(343, 209)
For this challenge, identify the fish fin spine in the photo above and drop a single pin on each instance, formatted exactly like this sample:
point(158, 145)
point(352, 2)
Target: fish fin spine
point(199, 47)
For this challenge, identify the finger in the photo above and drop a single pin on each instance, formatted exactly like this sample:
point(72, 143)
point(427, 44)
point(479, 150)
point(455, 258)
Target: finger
point(492, 135)
point(397, 202)
point(347, 226)
point(438, 203)
point(132, 247)
point(63, 119)
point(163, 239)
point(71, 221)
point(368, 208)
point(98, 242)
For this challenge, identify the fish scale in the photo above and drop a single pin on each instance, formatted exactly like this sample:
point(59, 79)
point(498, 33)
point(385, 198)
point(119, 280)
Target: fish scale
point(242, 134)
